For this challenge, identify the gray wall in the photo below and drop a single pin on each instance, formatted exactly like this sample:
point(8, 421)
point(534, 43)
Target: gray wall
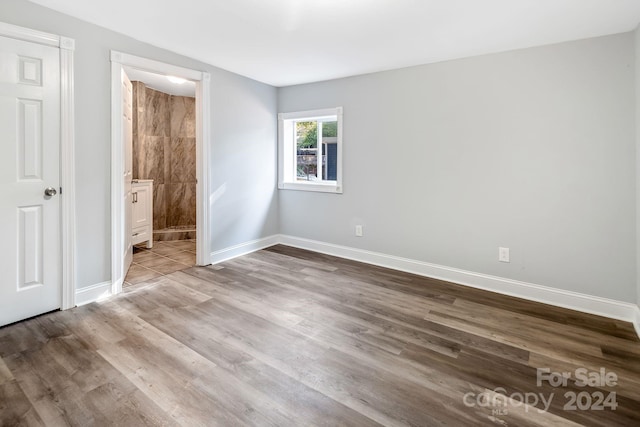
point(531, 149)
point(242, 121)
point(244, 173)
point(637, 92)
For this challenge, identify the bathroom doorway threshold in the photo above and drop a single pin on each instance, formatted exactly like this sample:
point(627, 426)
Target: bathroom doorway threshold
point(203, 125)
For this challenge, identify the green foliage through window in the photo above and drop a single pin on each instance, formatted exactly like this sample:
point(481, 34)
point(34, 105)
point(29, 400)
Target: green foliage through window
point(307, 133)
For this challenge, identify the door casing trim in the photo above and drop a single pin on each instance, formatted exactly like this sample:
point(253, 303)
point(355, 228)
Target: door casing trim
point(67, 149)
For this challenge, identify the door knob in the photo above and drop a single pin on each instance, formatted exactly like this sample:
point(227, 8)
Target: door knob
point(50, 191)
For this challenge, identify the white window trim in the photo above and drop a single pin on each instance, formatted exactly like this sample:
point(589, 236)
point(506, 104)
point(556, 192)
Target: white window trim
point(285, 155)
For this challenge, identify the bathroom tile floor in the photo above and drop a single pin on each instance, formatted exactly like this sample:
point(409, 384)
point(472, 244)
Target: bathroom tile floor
point(164, 258)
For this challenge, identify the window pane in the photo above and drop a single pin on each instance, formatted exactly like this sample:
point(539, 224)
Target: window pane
point(330, 151)
point(309, 147)
point(307, 150)
point(330, 129)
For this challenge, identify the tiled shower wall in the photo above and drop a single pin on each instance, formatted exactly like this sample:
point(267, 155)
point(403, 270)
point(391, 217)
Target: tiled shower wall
point(164, 149)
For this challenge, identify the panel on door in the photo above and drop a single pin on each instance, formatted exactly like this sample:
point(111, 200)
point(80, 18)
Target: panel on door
point(30, 251)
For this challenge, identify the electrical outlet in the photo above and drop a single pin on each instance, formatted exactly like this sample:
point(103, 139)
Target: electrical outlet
point(359, 230)
point(503, 254)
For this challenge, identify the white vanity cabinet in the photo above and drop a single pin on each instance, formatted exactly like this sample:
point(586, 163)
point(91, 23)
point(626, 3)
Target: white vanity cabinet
point(142, 212)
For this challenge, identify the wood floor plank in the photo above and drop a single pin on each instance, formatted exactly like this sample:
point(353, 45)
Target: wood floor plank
point(290, 337)
point(604, 326)
point(306, 405)
point(5, 373)
point(376, 394)
point(533, 339)
point(388, 337)
point(15, 407)
point(329, 309)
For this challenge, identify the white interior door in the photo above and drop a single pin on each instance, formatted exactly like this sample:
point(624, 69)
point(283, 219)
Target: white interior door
point(127, 138)
point(30, 248)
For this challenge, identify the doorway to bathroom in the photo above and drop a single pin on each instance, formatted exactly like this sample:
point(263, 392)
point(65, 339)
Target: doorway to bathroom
point(163, 170)
point(159, 168)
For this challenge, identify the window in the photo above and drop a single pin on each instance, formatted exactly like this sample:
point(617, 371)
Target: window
point(310, 150)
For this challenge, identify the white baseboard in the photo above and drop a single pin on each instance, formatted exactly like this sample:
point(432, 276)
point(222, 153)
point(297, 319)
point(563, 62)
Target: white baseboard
point(567, 299)
point(93, 293)
point(243, 248)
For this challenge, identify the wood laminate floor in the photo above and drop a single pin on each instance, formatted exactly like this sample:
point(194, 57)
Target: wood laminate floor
point(287, 337)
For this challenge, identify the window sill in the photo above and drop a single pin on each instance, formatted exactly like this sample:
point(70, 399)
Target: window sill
point(311, 186)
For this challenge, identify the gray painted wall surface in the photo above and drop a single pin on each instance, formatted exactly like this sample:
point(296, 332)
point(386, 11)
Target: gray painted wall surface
point(242, 122)
point(637, 110)
point(244, 168)
point(531, 149)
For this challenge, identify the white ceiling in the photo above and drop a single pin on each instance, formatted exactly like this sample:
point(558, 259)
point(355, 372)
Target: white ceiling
point(285, 42)
point(161, 83)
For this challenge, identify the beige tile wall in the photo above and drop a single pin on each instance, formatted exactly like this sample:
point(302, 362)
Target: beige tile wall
point(164, 149)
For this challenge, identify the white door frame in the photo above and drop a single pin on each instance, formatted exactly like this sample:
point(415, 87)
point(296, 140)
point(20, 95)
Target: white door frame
point(67, 150)
point(203, 126)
